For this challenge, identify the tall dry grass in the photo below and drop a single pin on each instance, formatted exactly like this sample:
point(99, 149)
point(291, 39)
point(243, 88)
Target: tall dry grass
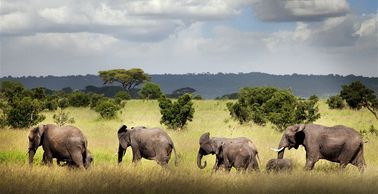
point(147, 177)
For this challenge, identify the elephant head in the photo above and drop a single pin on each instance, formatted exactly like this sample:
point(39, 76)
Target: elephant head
point(292, 138)
point(124, 141)
point(35, 140)
point(207, 146)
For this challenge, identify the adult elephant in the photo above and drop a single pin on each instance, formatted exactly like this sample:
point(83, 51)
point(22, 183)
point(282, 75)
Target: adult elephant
point(66, 143)
point(149, 143)
point(339, 144)
point(239, 152)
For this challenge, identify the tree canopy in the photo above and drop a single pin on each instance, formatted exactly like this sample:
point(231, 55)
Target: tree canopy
point(129, 79)
point(150, 91)
point(279, 107)
point(357, 95)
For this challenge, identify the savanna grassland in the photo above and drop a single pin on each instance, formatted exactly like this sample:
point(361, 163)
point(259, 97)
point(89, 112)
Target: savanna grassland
point(106, 176)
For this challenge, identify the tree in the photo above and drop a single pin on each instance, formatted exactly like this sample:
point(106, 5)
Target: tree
point(279, 107)
point(357, 95)
point(150, 91)
point(335, 102)
point(129, 79)
point(181, 91)
point(23, 113)
point(176, 114)
point(12, 90)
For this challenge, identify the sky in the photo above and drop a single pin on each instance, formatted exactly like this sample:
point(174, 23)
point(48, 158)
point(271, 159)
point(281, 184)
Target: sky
point(55, 37)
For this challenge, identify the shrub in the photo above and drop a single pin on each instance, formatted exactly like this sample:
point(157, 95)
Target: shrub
point(279, 107)
point(197, 97)
point(63, 103)
point(24, 113)
point(176, 114)
point(51, 104)
point(95, 99)
point(79, 99)
point(335, 102)
point(150, 91)
point(123, 95)
point(107, 109)
point(61, 118)
point(12, 90)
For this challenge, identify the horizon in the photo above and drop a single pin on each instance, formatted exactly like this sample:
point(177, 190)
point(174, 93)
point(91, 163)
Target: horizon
point(199, 73)
point(51, 37)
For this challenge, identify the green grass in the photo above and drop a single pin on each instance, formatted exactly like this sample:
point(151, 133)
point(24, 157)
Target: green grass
point(147, 177)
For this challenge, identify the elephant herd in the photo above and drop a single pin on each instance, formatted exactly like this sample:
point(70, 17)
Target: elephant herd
point(337, 144)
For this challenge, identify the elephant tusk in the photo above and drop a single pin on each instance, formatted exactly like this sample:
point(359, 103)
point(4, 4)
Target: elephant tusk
point(277, 150)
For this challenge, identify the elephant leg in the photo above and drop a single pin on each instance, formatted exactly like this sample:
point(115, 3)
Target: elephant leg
point(163, 160)
point(77, 159)
point(47, 158)
point(343, 165)
point(310, 164)
point(44, 158)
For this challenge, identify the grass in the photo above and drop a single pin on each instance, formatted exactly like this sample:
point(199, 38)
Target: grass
point(147, 177)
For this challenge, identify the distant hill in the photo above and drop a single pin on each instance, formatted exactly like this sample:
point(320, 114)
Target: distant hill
point(214, 85)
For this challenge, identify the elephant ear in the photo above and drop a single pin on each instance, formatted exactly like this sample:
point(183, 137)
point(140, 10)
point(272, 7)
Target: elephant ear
point(300, 127)
point(122, 136)
point(35, 136)
point(205, 137)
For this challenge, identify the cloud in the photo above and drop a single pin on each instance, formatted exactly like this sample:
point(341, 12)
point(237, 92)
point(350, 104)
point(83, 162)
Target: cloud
point(299, 10)
point(142, 20)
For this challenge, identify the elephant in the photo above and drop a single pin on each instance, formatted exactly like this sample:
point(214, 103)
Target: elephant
point(278, 165)
point(149, 143)
point(70, 163)
point(66, 143)
point(237, 152)
point(339, 144)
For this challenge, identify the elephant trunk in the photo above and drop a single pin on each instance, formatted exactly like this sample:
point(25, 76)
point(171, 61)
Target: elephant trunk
point(121, 153)
point(280, 154)
point(199, 158)
point(281, 147)
point(31, 156)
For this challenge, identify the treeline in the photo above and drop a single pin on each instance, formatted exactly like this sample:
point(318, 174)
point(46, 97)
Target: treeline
point(211, 85)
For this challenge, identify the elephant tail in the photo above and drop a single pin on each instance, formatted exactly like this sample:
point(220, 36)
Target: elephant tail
point(174, 150)
point(85, 152)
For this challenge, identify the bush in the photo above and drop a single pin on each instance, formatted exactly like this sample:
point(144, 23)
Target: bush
point(123, 95)
point(12, 90)
point(24, 113)
point(63, 103)
point(176, 114)
point(95, 99)
point(51, 104)
point(61, 118)
point(150, 91)
point(79, 99)
point(197, 97)
point(279, 107)
point(107, 109)
point(335, 102)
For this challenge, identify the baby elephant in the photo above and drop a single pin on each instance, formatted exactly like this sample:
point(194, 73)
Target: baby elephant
point(276, 165)
point(242, 156)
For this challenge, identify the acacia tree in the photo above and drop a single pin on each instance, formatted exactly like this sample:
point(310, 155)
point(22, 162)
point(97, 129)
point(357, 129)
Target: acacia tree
point(357, 95)
point(129, 79)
